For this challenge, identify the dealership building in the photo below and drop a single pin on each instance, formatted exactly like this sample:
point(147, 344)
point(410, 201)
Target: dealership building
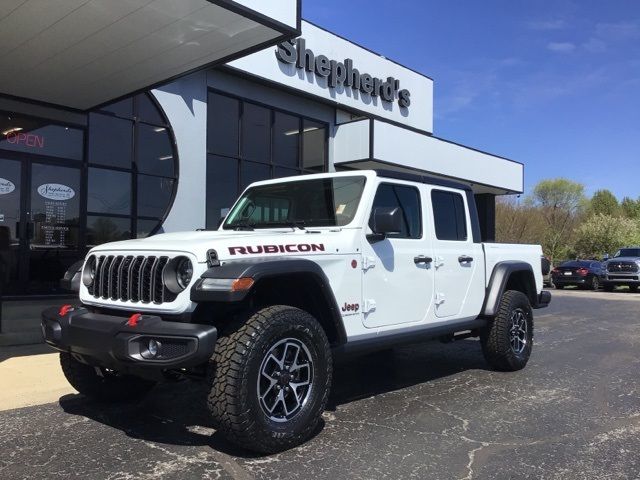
point(127, 119)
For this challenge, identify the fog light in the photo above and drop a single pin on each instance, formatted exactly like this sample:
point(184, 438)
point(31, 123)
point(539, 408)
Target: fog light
point(153, 347)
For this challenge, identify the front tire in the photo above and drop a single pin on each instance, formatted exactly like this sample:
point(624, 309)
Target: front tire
point(608, 287)
point(633, 288)
point(270, 378)
point(558, 287)
point(508, 340)
point(101, 384)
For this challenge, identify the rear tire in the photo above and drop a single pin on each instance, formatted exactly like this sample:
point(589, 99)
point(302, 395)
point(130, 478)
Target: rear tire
point(607, 287)
point(101, 384)
point(558, 287)
point(508, 340)
point(270, 378)
point(633, 288)
point(595, 284)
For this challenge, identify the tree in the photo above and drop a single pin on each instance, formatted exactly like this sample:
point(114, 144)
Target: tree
point(561, 202)
point(604, 202)
point(602, 234)
point(517, 222)
point(630, 208)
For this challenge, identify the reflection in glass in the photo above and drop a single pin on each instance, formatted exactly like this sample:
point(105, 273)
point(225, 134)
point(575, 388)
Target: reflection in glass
point(147, 111)
point(109, 191)
point(254, 172)
point(145, 227)
point(286, 134)
point(154, 195)
point(154, 152)
point(107, 229)
point(110, 141)
point(222, 187)
point(313, 145)
point(222, 129)
point(40, 137)
point(123, 108)
point(256, 126)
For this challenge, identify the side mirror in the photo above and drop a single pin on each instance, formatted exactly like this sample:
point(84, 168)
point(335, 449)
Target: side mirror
point(385, 220)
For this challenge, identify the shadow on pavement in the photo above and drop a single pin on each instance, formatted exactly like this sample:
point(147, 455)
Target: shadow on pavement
point(175, 413)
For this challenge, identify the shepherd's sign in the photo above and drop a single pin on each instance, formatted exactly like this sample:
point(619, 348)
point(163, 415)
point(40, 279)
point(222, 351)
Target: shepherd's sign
point(341, 73)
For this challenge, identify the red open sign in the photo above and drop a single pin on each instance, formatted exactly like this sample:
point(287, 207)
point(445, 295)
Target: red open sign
point(28, 139)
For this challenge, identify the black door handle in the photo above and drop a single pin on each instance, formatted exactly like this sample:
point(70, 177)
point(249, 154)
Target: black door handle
point(465, 259)
point(422, 259)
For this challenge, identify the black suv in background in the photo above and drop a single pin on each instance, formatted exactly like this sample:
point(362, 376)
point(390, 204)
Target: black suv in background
point(582, 273)
point(623, 269)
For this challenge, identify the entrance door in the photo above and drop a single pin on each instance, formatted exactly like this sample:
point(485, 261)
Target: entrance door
point(53, 234)
point(39, 226)
point(11, 237)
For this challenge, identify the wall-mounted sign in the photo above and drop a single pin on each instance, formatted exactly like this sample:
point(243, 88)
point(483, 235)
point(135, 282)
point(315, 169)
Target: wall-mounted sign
point(342, 73)
point(6, 186)
point(56, 191)
point(28, 139)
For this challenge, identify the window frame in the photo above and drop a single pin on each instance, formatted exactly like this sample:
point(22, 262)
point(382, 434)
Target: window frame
point(420, 210)
point(242, 160)
point(465, 208)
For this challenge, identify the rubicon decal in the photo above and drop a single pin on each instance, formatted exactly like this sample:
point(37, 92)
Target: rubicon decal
point(290, 248)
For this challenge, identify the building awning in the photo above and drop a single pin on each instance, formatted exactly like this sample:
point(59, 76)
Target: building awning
point(84, 53)
point(372, 144)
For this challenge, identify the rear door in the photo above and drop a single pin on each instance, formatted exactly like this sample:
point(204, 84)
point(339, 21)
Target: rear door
point(458, 261)
point(397, 278)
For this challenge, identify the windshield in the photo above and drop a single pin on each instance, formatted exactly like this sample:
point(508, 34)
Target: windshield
point(628, 252)
point(318, 202)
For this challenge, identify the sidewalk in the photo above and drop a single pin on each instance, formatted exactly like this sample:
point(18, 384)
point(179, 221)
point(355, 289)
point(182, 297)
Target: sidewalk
point(30, 375)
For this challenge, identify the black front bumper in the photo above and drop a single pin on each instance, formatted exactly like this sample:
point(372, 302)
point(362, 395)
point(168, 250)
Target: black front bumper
point(110, 341)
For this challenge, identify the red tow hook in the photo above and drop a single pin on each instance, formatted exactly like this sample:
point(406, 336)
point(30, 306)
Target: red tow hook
point(64, 309)
point(133, 320)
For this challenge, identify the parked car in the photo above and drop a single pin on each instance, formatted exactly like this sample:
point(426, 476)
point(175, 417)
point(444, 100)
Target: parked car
point(623, 269)
point(545, 265)
point(582, 273)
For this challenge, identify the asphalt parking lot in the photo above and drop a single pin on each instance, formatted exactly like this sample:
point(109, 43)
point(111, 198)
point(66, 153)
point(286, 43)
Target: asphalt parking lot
point(430, 411)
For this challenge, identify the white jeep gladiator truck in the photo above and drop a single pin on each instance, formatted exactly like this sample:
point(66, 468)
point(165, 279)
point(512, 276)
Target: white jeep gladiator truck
point(301, 269)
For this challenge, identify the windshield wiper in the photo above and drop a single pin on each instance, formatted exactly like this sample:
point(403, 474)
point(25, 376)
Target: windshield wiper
point(244, 225)
point(284, 223)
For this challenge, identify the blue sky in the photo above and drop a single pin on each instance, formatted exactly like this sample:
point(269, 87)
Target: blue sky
point(554, 84)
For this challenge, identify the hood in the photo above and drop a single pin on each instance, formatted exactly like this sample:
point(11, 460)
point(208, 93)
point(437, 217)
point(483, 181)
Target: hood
point(624, 259)
point(233, 244)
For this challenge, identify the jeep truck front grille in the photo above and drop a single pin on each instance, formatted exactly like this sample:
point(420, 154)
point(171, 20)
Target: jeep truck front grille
point(131, 278)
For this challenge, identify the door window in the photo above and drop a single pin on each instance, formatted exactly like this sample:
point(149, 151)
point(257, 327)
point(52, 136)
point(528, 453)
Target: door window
point(408, 199)
point(449, 215)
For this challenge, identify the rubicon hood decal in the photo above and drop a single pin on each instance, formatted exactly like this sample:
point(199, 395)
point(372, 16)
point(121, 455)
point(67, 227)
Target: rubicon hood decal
point(289, 248)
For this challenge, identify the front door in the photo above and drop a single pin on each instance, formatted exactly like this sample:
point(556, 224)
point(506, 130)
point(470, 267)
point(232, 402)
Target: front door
point(398, 279)
point(39, 225)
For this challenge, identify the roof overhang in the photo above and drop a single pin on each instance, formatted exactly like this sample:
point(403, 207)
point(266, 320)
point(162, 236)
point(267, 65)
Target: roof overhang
point(372, 144)
point(84, 53)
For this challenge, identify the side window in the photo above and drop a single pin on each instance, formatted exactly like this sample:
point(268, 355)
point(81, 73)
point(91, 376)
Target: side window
point(449, 215)
point(408, 199)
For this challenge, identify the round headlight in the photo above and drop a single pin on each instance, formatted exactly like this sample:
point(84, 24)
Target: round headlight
point(184, 272)
point(89, 271)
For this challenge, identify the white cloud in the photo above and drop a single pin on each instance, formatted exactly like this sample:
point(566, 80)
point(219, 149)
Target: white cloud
point(547, 25)
point(561, 47)
point(620, 31)
point(594, 45)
